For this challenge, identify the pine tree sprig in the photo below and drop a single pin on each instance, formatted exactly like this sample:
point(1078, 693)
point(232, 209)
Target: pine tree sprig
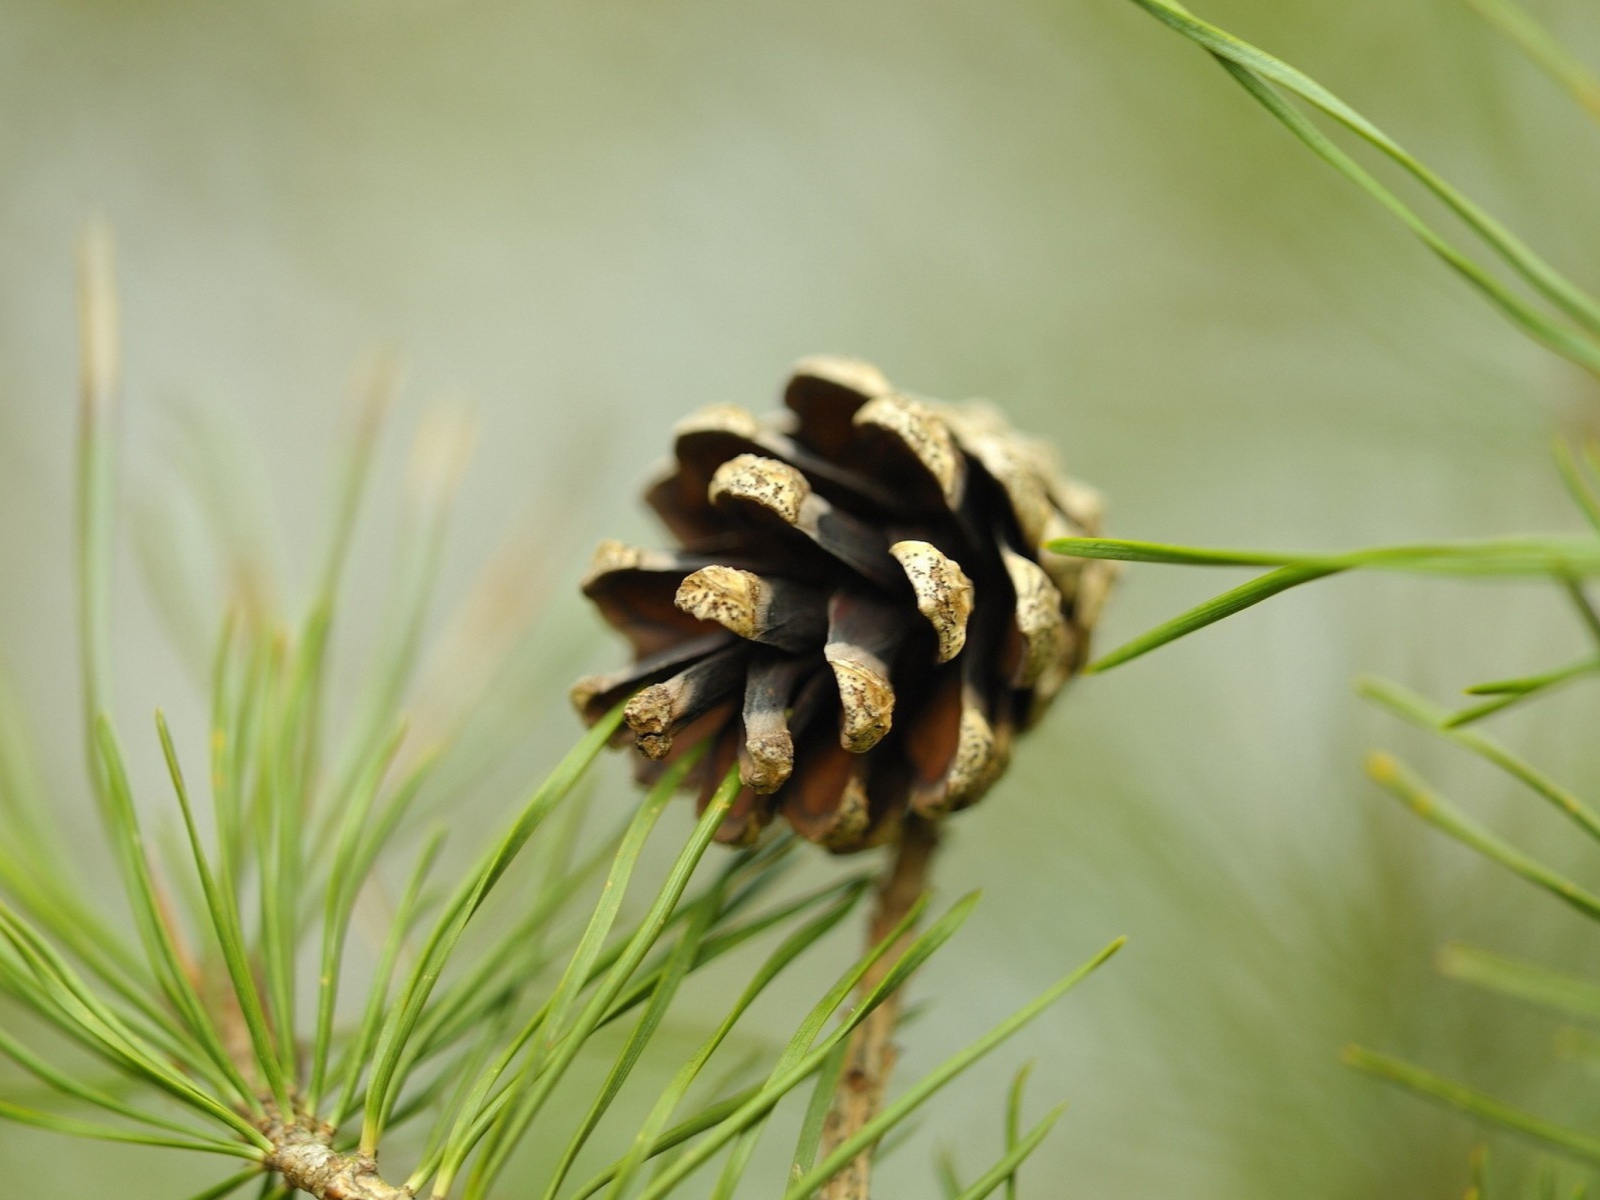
point(220, 982)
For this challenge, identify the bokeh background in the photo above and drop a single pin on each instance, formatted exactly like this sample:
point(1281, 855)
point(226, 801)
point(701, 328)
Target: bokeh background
point(582, 218)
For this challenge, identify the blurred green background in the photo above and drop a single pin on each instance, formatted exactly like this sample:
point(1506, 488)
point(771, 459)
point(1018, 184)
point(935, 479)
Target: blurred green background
point(585, 218)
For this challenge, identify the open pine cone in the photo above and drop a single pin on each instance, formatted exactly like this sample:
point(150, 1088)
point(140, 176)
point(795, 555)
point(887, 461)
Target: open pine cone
point(862, 613)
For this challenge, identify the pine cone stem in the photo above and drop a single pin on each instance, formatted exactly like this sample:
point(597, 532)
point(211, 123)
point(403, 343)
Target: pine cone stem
point(872, 1054)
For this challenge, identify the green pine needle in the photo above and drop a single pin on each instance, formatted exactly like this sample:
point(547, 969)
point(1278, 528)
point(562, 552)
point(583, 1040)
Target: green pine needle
point(1005, 1171)
point(924, 1089)
point(1389, 774)
point(1522, 980)
point(1563, 557)
point(1266, 79)
point(1555, 1137)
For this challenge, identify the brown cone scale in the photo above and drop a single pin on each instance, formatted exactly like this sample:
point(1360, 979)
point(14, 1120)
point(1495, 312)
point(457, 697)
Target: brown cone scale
point(861, 613)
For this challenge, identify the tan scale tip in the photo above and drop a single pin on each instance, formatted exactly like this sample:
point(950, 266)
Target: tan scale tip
point(584, 691)
point(943, 591)
point(719, 418)
point(726, 595)
point(1014, 462)
point(1038, 616)
point(851, 817)
point(611, 555)
point(774, 485)
point(925, 436)
point(972, 768)
point(856, 374)
point(770, 761)
point(649, 714)
point(868, 702)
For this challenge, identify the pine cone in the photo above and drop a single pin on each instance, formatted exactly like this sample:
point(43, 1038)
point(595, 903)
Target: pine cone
point(861, 613)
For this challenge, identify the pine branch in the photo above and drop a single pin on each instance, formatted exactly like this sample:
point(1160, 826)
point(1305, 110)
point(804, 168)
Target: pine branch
point(304, 1157)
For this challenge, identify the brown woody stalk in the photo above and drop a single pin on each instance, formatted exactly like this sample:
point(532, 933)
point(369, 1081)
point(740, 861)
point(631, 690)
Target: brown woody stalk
point(304, 1158)
point(872, 1054)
